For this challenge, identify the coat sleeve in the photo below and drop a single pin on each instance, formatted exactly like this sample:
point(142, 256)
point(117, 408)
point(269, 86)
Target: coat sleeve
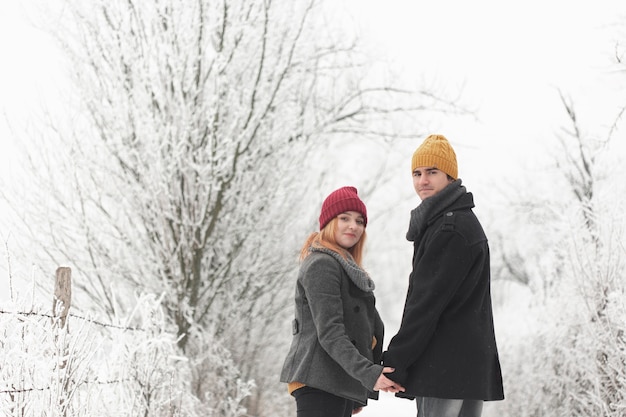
point(379, 334)
point(322, 286)
point(435, 279)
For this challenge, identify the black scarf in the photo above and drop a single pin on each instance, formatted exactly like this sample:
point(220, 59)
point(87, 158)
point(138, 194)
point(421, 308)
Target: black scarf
point(431, 206)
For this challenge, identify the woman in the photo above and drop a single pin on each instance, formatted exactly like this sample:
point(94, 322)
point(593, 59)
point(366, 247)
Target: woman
point(333, 364)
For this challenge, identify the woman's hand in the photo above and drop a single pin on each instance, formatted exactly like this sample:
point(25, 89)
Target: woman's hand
point(385, 384)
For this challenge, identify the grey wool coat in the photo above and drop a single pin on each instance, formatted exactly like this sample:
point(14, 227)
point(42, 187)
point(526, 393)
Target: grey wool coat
point(334, 326)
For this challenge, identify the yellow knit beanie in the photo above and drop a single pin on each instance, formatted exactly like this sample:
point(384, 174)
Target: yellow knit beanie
point(436, 152)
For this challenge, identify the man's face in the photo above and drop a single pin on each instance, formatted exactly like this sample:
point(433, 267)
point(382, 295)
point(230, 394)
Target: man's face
point(428, 181)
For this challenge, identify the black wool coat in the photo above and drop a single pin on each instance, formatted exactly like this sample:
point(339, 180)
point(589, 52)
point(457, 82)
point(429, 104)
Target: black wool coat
point(446, 346)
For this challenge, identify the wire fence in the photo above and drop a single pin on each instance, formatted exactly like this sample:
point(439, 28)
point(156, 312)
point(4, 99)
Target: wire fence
point(57, 363)
point(59, 317)
point(74, 316)
point(46, 366)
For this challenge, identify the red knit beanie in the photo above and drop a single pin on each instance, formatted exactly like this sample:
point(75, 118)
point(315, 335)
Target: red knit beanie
point(340, 201)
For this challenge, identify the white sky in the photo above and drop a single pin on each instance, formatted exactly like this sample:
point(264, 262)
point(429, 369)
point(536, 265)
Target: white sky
point(510, 58)
point(29, 74)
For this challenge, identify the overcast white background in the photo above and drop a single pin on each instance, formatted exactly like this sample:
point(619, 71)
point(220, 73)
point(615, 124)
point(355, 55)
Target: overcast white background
point(509, 58)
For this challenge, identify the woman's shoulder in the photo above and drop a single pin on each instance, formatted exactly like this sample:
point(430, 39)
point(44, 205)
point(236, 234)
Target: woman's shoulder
point(319, 257)
point(320, 261)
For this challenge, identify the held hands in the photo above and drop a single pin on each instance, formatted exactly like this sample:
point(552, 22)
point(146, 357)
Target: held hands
point(385, 384)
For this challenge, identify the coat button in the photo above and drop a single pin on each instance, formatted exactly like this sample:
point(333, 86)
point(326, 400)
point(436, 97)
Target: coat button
point(357, 309)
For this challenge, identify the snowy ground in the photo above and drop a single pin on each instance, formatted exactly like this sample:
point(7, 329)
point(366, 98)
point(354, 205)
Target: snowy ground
point(389, 406)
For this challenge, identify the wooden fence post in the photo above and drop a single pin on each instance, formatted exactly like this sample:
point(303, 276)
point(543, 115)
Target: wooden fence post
point(62, 294)
point(60, 310)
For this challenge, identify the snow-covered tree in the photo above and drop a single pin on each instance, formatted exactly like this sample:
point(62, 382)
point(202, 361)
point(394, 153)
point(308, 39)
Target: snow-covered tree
point(569, 359)
point(176, 167)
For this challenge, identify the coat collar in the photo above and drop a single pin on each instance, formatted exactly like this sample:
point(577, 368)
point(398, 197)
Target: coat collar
point(453, 197)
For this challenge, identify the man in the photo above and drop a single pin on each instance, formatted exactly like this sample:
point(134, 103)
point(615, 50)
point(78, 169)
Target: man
point(445, 353)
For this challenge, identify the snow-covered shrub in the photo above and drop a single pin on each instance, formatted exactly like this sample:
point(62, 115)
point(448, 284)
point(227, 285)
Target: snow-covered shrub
point(92, 368)
point(571, 361)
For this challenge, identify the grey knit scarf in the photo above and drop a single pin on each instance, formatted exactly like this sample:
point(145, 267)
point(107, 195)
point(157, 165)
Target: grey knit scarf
point(357, 275)
point(431, 206)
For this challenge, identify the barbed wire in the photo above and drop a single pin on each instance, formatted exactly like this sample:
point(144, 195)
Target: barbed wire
point(51, 316)
point(27, 390)
point(14, 390)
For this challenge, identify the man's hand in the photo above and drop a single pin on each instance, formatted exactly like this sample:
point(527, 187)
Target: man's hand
point(385, 384)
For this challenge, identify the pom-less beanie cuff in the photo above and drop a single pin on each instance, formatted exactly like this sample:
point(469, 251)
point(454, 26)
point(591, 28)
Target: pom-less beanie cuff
point(339, 201)
point(436, 152)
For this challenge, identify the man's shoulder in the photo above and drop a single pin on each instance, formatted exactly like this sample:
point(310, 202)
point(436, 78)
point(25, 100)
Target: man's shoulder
point(462, 221)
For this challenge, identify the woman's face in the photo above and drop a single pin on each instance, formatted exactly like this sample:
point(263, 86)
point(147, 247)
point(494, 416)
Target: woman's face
point(350, 227)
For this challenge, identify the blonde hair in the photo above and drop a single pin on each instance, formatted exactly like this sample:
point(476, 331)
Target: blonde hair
point(325, 238)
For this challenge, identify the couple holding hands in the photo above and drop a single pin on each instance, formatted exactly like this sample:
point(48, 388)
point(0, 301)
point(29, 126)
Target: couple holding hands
point(444, 354)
